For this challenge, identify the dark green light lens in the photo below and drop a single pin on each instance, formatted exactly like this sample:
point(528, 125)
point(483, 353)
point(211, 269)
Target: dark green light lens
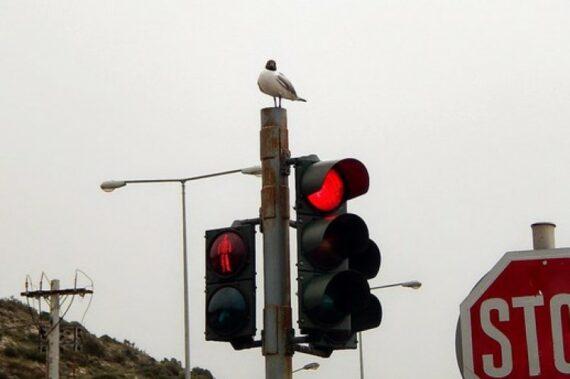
point(227, 310)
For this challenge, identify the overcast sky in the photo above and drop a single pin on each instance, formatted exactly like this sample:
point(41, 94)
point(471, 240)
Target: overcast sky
point(459, 109)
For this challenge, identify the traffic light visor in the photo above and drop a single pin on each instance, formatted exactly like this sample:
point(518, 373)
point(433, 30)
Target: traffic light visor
point(367, 262)
point(327, 184)
point(227, 254)
point(368, 318)
point(330, 241)
point(227, 311)
point(330, 298)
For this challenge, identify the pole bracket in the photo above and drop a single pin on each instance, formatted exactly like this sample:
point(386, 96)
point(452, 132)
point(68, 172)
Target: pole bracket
point(325, 353)
point(247, 221)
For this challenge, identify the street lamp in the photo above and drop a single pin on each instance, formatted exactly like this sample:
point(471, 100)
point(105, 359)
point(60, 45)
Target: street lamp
point(308, 366)
point(111, 185)
point(413, 284)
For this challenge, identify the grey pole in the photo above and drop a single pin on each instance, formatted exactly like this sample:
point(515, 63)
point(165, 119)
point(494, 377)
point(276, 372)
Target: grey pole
point(187, 367)
point(360, 355)
point(543, 235)
point(53, 336)
point(277, 326)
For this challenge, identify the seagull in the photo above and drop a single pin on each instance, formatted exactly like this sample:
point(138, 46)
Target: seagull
point(275, 84)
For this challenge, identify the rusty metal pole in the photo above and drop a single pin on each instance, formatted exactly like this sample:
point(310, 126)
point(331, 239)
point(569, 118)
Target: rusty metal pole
point(543, 235)
point(277, 326)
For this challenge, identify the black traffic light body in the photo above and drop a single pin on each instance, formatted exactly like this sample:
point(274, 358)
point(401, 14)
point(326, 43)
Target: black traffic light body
point(230, 284)
point(335, 255)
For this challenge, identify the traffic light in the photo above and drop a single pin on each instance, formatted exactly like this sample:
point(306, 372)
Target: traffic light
point(230, 285)
point(335, 254)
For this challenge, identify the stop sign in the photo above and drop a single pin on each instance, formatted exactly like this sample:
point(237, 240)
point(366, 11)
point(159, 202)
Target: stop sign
point(515, 323)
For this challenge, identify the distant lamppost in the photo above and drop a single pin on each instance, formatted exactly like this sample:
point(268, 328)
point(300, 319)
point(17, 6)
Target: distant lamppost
point(413, 284)
point(308, 366)
point(111, 185)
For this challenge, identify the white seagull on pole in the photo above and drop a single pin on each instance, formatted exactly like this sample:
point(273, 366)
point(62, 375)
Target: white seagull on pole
point(276, 85)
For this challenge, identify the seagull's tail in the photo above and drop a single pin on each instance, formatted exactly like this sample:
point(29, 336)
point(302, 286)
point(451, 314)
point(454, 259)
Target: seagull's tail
point(301, 99)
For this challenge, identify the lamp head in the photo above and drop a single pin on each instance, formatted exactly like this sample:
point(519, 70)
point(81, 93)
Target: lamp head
point(311, 366)
point(414, 284)
point(254, 170)
point(111, 185)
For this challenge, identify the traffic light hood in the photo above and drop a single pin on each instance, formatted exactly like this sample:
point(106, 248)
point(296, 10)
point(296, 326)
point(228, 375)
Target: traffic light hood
point(367, 318)
point(367, 262)
point(328, 242)
point(330, 298)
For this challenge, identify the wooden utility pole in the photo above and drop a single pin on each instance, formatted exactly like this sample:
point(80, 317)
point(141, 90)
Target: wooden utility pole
point(54, 294)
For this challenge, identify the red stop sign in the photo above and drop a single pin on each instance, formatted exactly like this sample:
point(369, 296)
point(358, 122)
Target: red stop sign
point(515, 323)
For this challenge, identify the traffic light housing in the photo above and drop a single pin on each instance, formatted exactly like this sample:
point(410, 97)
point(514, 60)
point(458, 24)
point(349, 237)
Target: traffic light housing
point(230, 285)
point(335, 254)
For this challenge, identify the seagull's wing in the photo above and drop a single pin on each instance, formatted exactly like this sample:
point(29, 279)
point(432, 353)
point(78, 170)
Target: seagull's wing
point(286, 83)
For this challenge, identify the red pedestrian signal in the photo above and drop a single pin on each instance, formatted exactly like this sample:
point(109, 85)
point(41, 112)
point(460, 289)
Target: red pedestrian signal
point(230, 284)
point(228, 254)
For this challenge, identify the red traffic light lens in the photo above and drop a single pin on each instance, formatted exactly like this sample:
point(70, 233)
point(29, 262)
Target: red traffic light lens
point(228, 254)
point(330, 195)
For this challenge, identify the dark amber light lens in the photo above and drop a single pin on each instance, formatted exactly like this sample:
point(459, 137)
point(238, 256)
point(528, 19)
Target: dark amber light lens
point(331, 194)
point(228, 254)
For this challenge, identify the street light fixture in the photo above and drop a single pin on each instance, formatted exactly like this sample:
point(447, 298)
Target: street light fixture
point(111, 185)
point(308, 366)
point(413, 284)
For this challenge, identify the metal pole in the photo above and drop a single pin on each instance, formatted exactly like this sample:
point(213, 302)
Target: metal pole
point(360, 353)
point(187, 367)
point(543, 235)
point(53, 336)
point(277, 326)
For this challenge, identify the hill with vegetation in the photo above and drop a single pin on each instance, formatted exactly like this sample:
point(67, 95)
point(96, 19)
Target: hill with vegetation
point(87, 356)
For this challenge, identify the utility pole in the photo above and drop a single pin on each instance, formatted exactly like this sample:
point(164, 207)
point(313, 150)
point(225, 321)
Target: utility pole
point(53, 336)
point(277, 325)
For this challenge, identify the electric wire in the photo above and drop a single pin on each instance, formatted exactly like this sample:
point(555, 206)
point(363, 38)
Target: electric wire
point(35, 321)
point(92, 285)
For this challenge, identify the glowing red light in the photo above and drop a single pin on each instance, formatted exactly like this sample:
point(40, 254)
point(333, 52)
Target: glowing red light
point(227, 254)
point(330, 195)
point(225, 248)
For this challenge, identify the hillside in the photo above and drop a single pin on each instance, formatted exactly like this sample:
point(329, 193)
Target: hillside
point(83, 354)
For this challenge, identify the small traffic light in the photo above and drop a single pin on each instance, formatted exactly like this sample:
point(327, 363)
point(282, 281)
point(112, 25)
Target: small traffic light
point(335, 254)
point(230, 285)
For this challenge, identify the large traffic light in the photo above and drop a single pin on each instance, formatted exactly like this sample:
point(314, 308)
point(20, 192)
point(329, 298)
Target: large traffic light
point(335, 254)
point(230, 285)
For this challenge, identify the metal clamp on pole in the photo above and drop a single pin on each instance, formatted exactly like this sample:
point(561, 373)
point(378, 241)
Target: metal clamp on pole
point(239, 345)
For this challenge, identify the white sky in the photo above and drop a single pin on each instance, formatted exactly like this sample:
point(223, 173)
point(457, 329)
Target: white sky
point(459, 109)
